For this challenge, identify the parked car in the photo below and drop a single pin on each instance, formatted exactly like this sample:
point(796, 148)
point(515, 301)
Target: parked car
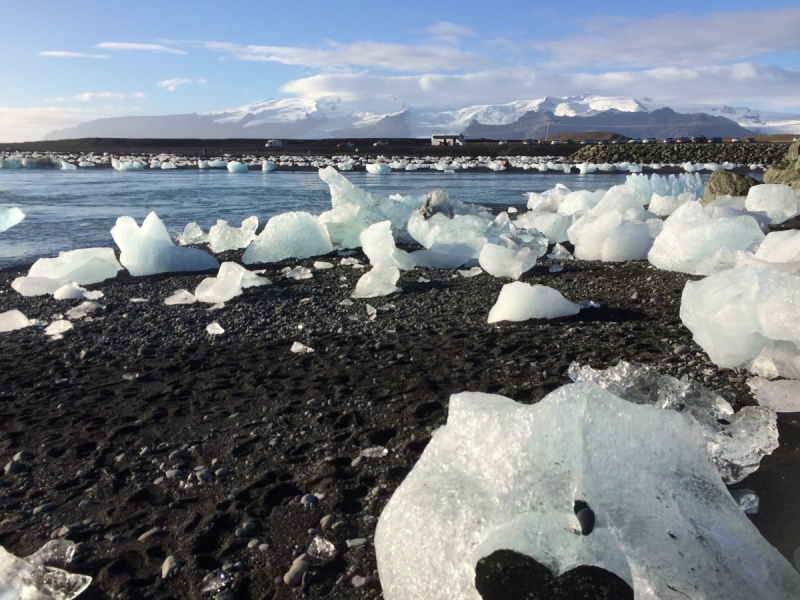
point(587, 142)
point(751, 140)
point(502, 142)
point(736, 140)
point(344, 145)
point(698, 139)
point(530, 142)
point(569, 141)
point(634, 141)
point(556, 142)
point(605, 142)
point(714, 140)
point(682, 140)
point(649, 140)
point(617, 141)
point(381, 143)
point(668, 140)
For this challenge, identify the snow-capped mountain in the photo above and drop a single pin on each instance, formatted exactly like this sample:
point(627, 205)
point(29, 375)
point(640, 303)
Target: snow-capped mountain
point(333, 117)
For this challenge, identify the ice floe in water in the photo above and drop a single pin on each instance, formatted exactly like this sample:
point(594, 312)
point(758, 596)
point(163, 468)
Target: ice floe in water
point(236, 167)
point(747, 317)
point(148, 249)
point(223, 237)
point(520, 301)
point(289, 235)
point(231, 279)
point(10, 217)
point(504, 475)
point(12, 320)
point(38, 577)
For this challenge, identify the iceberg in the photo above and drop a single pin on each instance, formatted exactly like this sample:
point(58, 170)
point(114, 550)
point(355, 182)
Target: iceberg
point(85, 266)
point(289, 235)
point(520, 301)
point(504, 475)
point(37, 578)
point(379, 281)
point(222, 237)
point(12, 320)
point(10, 217)
point(268, 165)
point(229, 283)
point(236, 167)
point(149, 249)
point(378, 169)
point(378, 244)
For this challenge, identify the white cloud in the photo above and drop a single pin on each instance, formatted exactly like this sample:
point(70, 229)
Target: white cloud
point(677, 40)
point(174, 83)
point(158, 48)
point(28, 124)
point(59, 54)
point(449, 33)
point(138, 95)
point(393, 57)
point(90, 96)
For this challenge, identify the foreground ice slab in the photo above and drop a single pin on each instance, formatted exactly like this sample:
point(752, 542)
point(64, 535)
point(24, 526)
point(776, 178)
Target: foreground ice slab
point(37, 578)
point(84, 266)
point(378, 244)
point(379, 281)
point(503, 261)
point(776, 199)
point(11, 320)
point(289, 235)
point(222, 237)
point(229, 283)
point(503, 475)
point(780, 396)
point(10, 217)
point(37, 286)
point(747, 317)
point(520, 301)
point(612, 237)
point(149, 249)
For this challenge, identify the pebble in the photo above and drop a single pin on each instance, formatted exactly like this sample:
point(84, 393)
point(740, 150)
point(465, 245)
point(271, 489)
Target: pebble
point(245, 529)
point(356, 542)
point(309, 501)
point(220, 473)
point(253, 543)
point(12, 467)
point(682, 349)
point(263, 547)
point(358, 581)
point(173, 473)
point(24, 455)
point(45, 508)
point(205, 475)
point(356, 461)
point(294, 576)
point(177, 454)
point(151, 533)
point(326, 522)
point(170, 567)
point(115, 538)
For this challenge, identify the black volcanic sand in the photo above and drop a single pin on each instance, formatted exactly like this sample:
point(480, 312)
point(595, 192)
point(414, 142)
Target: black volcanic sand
point(148, 376)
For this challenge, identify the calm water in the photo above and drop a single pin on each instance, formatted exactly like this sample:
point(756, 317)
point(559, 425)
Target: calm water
point(76, 209)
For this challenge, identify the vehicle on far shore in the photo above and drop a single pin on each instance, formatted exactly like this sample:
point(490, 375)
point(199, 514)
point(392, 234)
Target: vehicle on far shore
point(345, 145)
point(751, 140)
point(714, 140)
point(502, 143)
point(649, 140)
point(274, 144)
point(617, 141)
point(605, 142)
point(698, 139)
point(569, 141)
point(381, 143)
point(530, 142)
point(736, 140)
point(556, 142)
point(682, 140)
point(587, 142)
point(634, 141)
point(669, 140)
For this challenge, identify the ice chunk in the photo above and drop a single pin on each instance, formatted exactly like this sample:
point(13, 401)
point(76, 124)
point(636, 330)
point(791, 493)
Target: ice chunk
point(322, 265)
point(84, 266)
point(168, 165)
point(780, 247)
point(473, 272)
point(378, 169)
point(521, 301)
point(447, 256)
point(560, 253)
point(780, 396)
point(84, 309)
point(379, 281)
point(299, 273)
point(664, 206)
point(127, 165)
point(321, 549)
point(747, 317)
point(553, 225)
point(10, 217)
point(149, 249)
point(299, 348)
point(11, 320)
point(736, 443)
point(747, 500)
point(581, 201)
point(437, 201)
point(353, 209)
point(229, 282)
point(37, 577)
point(56, 328)
point(610, 237)
point(268, 165)
point(37, 286)
point(180, 297)
point(192, 235)
point(505, 475)
point(214, 329)
point(202, 164)
point(690, 236)
point(236, 167)
point(70, 291)
point(501, 261)
point(549, 200)
point(289, 235)
point(223, 237)
point(378, 244)
point(776, 199)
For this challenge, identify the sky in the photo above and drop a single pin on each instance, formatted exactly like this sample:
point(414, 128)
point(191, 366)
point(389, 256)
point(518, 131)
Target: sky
point(66, 63)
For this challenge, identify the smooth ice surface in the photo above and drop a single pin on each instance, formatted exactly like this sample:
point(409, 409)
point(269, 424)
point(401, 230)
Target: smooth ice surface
point(781, 396)
point(747, 317)
point(84, 309)
point(776, 199)
point(268, 165)
point(447, 255)
point(71, 291)
point(611, 237)
point(11, 320)
point(229, 282)
point(520, 301)
point(214, 329)
point(289, 235)
point(378, 244)
point(192, 234)
point(37, 286)
point(560, 253)
point(180, 297)
point(237, 167)
point(10, 217)
point(504, 475)
point(37, 576)
point(736, 446)
point(84, 266)
point(780, 247)
point(222, 237)
point(663, 206)
point(691, 236)
point(149, 249)
point(379, 281)
point(502, 261)
point(553, 225)
point(56, 328)
point(378, 169)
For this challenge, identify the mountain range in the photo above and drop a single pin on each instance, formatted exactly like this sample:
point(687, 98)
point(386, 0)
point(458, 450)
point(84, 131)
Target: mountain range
point(391, 117)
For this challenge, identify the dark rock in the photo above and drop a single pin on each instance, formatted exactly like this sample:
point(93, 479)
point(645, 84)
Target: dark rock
point(787, 170)
point(437, 201)
point(727, 183)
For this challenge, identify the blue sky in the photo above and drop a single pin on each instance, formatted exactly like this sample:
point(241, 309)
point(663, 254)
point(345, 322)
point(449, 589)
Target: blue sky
point(64, 63)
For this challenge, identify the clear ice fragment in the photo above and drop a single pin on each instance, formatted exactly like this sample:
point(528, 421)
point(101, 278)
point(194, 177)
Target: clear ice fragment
point(37, 576)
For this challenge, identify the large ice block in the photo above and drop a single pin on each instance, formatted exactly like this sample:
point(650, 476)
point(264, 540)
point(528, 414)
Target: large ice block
point(231, 279)
point(222, 237)
point(379, 281)
point(503, 261)
point(37, 576)
point(289, 235)
point(84, 266)
point(378, 244)
point(776, 199)
point(520, 301)
point(11, 320)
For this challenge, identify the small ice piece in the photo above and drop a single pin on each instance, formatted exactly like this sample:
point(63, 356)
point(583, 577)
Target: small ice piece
point(180, 297)
point(555, 268)
point(148, 249)
point(371, 311)
point(299, 348)
point(506, 475)
point(222, 237)
point(12, 320)
point(588, 304)
point(322, 265)
point(423, 280)
point(512, 210)
point(299, 272)
point(236, 167)
point(37, 577)
point(379, 281)
point(560, 253)
point(474, 271)
point(70, 291)
point(84, 309)
point(349, 262)
point(135, 300)
point(289, 235)
point(776, 199)
point(378, 169)
point(747, 500)
point(192, 235)
point(268, 165)
point(502, 261)
point(10, 217)
point(56, 328)
point(378, 244)
point(214, 329)
point(231, 279)
point(347, 302)
point(520, 301)
point(37, 286)
point(217, 306)
point(84, 266)
point(781, 396)
point(321, 549)
point(374, 452)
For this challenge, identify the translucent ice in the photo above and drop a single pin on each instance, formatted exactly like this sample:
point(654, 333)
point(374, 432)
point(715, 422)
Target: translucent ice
point(448, 255)
point(503, 261)
point(37, 286)
point(84, 266)
point(439, 229)
point(299, 348)
point(776, 199)
point(192, 235)
point(291, 234)
point(736, 443)
point(781, 396)
point(222, 237)
point(268, 165)
point(72, 291)
point(611, 237)
point(214, 329)
point(231, 279)
point(236, 167)
point(549, 200)
point(353, 210)
point(378, 169)
point(690, 236)
point(379, 281)
point(56, 328)
point(10, 217)
point(180, 297)
point(521, 301)
point(378, 244)
point(149, 249)
point(664, 206)
point(553, 225)
point(84, 309)
point(780, 247)
point(505, 475)
point(299, 273)
point(560, 253)
point(37, 576)
point(747, 317)
point(11, 320)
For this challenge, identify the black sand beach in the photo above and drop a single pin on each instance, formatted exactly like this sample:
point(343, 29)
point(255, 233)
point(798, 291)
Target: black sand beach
point(115, 421)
